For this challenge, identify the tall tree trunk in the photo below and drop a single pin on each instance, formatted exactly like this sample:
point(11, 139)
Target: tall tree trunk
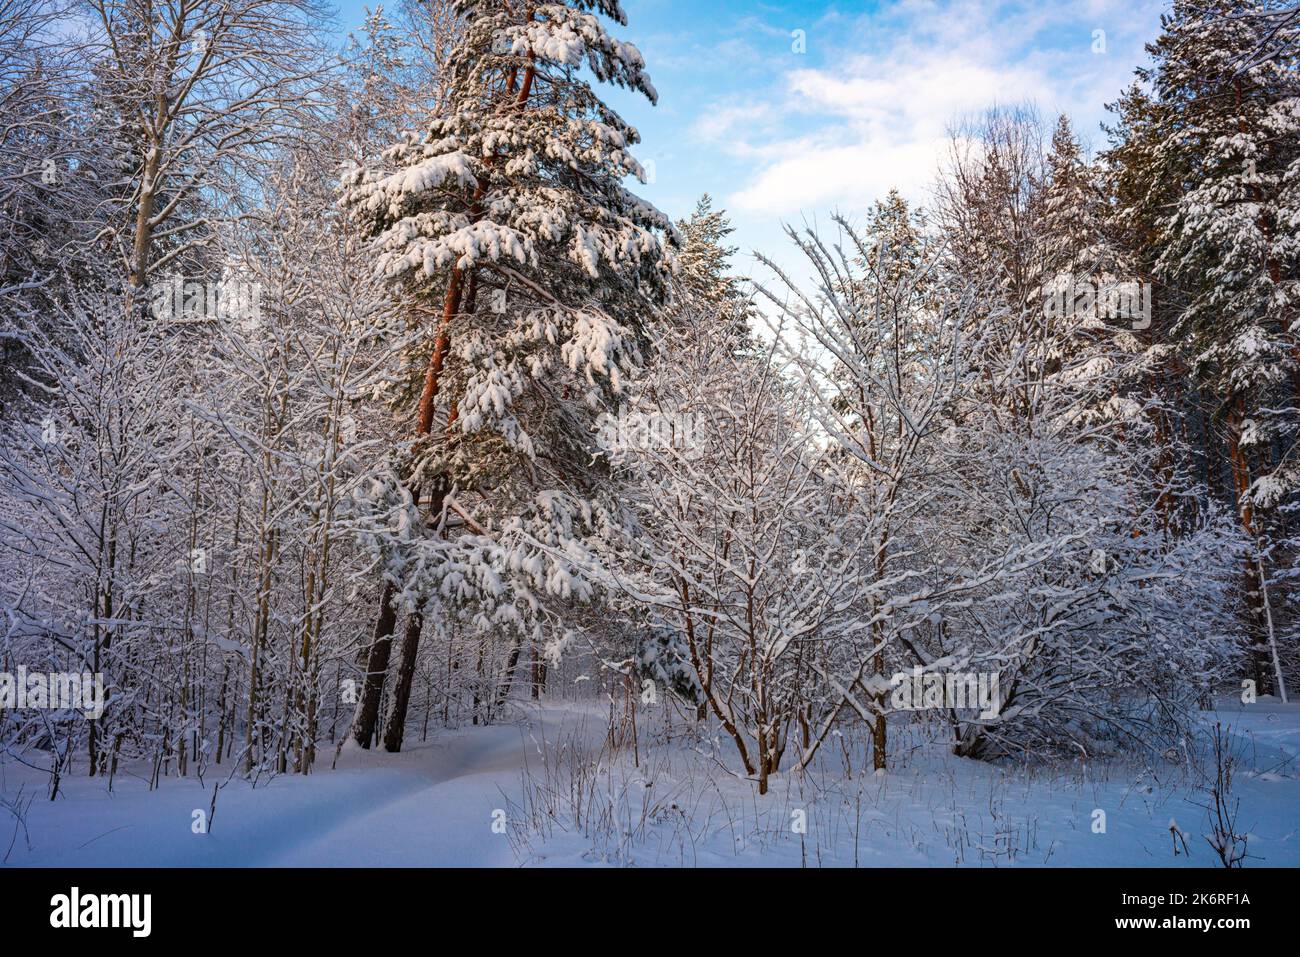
point(402, 691)
point(367, 716)
point(512, 664)
point(1251, 585)
point(381, 646)
point(442, 485)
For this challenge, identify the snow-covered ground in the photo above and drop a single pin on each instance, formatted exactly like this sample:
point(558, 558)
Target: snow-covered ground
point(544, 790)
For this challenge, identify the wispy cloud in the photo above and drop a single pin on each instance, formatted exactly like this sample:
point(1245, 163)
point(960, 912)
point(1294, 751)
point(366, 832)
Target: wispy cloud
point(874, 111)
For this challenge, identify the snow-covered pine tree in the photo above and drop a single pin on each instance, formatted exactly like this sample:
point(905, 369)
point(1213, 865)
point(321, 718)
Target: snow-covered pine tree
point(509, 222)
point(703, 272)
point(1099, 317)
point(894, 260)
point(1093, 302)
point(899, 245)
point(702, 266)
point(1074, 207)
point(1222, 134)
point(1137, 195)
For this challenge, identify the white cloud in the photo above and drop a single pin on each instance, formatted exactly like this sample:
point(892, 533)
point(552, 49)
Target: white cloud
point(842, 134)
point(822, 177)
point(721, 122)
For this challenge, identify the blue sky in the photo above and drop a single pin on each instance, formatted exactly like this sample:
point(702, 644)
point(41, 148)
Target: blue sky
point(782, 131)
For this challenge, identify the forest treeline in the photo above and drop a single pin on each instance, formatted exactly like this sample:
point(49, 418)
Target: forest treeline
point(346, 394)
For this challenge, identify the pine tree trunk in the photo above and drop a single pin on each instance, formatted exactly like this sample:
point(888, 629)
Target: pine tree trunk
point(363, 725)
point(512, 664)
point(411, 639)
point(363, 728)
point(395, 730)
point(1250, 585)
